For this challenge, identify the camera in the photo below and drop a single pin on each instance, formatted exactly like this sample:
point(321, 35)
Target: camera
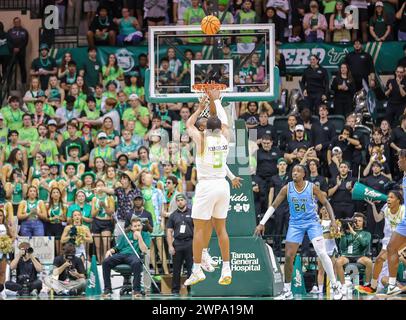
point(73, 231)
point(28, 251)
point(24, 280)
point(347, 222)
point(69, 258)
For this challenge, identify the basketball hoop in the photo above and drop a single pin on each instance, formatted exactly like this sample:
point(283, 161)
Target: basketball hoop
point(202, 88)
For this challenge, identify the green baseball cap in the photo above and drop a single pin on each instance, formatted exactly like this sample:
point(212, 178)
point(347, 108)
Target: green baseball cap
point(180, 196)
point(282, 160)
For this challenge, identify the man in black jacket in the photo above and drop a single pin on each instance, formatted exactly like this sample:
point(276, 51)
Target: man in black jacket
point(361, 65)
point(180, 240)
point(18, 41)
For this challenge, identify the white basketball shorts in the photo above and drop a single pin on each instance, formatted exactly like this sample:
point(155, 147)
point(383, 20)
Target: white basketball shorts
point(212, 199)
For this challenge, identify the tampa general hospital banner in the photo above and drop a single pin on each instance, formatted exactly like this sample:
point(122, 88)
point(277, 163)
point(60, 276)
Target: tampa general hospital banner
point(384, 54)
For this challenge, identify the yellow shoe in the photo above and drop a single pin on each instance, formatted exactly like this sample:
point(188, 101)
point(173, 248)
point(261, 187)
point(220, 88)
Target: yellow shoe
point(225, 278)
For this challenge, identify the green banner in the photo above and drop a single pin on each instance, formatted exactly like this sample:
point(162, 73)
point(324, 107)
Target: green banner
point(241, 213)
point(255, 271)
point(298, 284)
point(384, 54)
point(93, 287)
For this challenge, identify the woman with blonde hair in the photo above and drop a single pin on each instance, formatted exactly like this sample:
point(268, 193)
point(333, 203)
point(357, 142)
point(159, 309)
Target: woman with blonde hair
point(78, 234)
point(54, 90)
point(32, 94)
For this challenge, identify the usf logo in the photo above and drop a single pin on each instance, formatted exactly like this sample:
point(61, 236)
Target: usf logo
point(125, 59)
point(335, 57)
point(371, 193)
point(298, 279)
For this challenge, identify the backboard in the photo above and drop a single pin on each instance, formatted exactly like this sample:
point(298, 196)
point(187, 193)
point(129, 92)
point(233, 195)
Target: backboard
point(240, 56)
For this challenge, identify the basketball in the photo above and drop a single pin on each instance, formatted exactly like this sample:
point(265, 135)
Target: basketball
point(210, 25)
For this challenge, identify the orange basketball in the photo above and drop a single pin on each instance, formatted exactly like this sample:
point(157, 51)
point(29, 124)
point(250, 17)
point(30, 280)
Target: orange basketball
point(210, 25)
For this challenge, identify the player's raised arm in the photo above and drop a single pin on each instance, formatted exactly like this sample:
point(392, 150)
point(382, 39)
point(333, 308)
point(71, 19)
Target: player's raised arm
point(321, 196)
point(216, 109)
point(192, 131)
point(259, 230)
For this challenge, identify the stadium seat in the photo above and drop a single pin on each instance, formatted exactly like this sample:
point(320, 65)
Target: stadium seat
point(338, 121)
point(280, 123)
point(125, 271)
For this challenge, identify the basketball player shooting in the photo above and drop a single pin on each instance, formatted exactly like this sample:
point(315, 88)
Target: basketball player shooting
point(212, 195)
point(397, 242)
point(303, 218)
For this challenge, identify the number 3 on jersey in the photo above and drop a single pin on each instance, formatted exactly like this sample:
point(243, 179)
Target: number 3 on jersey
point(218, 160)
point(300, 208)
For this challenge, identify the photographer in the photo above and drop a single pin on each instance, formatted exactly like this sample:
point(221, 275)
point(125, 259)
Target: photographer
point(354, 246)
point(123, 254)
point(68, 276)
point(28, 267)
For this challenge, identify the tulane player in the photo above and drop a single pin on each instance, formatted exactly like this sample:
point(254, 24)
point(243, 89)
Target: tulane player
point(398, 240)
point(303, 218)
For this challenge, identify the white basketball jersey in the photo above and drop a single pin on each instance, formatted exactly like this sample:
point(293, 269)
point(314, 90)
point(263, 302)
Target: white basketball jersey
point(211, 163)
point(391, 221)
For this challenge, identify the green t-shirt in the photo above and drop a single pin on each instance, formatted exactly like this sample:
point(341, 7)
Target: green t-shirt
point(86, 211)
point(126, 26)
point(114, 74)
point(91, 114)
point(123, 246)
point(130, 114)
point(246, 18)
point(56, 212)
point(31, 135)
point(92, 70)
point(50, 149)
point(13, 119)
point(4, 50)
point(48, 109)
point(139, 91)
point(355, 246)
point(329, 6)
point(17, 195)
point(79, 104)
point(194, 17)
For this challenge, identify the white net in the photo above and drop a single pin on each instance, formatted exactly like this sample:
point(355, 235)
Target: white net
point(203, 98)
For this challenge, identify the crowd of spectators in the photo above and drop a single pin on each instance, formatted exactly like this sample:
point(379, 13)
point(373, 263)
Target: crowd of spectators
point(295, 21)
point(83, 143)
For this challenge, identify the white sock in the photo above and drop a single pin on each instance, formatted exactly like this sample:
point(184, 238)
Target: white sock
point(321, 287)
point(205, 251)
point(287, 286)
point(226, 264)
point(196, 267)
point(328, 267)
point(374, 283)
point(392, 281)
